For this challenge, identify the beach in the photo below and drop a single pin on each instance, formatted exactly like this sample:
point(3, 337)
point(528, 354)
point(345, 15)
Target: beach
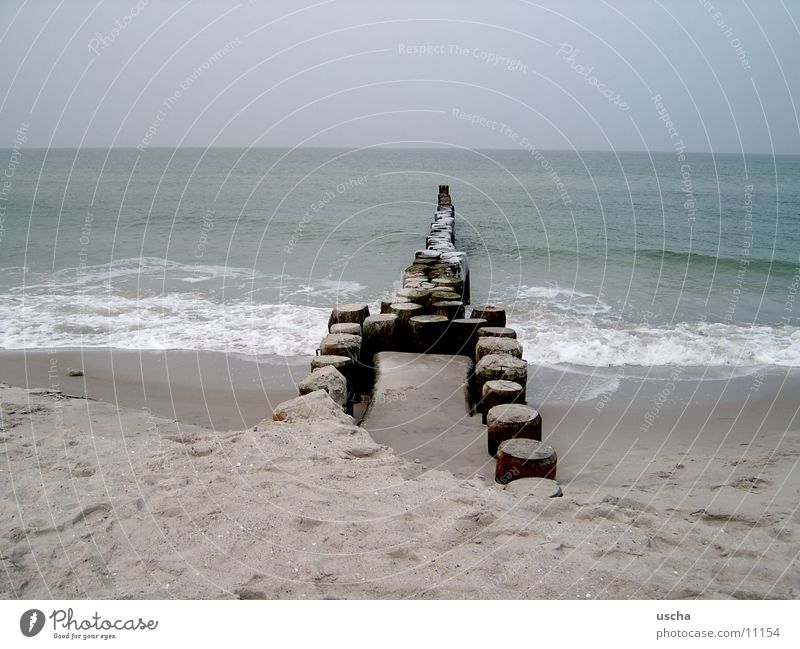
point(675, 485)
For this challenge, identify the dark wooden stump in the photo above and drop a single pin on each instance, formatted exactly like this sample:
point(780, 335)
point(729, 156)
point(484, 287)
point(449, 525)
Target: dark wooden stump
point(495, 393)
point(348, 313)
point(507, 421)
point(378, 336)
point(352, 328)
point(450, 309)
point(494, 315)
point(463, 335)
point(486, 346)
point(445, 296)
point(341, 345)
point(497, 332)
point(496, 367)
point(416, 295)
point(524, 458)
point(428, 332)
point(449, 284)
point(404, 312)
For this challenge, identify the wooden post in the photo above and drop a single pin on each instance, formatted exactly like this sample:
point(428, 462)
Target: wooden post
point(428, 332)
point(497, 332)
point(507, 421)
point(417, 295)
point(486, 346)
point(495, 393)
point(524, 458)
point(352, 328)
point(450, 309)
point(464, 335)
point(449, 284)
point(348, 313)
point(494, 315)
point(404, 312)
point(500, 367)
point(379, 336)
point(341, 345)
point(445, 296)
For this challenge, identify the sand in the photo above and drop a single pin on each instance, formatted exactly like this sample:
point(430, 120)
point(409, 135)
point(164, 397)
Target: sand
point(672, 489)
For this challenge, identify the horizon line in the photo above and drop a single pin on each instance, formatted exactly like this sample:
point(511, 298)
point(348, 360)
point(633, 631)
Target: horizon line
point(358, 148)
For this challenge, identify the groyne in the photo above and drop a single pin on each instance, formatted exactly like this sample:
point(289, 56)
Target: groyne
point(420, 326)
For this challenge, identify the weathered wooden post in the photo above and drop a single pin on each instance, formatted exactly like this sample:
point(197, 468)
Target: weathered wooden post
point(449, 284)
point(486, 346)
point(352, 328)
point(496, 367)
point(341, 345)
point(507, 421)
point(496, 393)
point(494, 315)
point(348, 313)
point(524, 458)
point(404, 312)
point(378, 336)
point(497, 332)
point(427, 332)
point(445, 296)
point(450, 309)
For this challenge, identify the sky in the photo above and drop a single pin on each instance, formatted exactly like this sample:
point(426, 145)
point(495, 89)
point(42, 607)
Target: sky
point(625, 75)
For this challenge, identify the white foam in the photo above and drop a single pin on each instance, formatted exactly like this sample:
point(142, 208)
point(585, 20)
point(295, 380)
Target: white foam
point(549, 338)
point(171, 321)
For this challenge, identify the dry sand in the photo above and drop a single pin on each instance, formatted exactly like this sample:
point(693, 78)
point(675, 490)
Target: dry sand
point(111, 500)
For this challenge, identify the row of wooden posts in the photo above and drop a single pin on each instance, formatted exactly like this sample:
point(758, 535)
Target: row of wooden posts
point(427, 315)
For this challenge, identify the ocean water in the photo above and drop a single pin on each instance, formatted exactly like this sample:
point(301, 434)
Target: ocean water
point(601, 259)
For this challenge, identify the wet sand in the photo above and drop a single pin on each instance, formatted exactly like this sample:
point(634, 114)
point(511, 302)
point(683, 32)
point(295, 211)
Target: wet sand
point(210, 389)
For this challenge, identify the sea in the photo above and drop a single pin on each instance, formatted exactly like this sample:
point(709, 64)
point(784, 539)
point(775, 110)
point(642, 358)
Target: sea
point(601, 259)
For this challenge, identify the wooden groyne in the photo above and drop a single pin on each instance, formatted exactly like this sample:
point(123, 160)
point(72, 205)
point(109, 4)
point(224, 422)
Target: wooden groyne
point(359, 360)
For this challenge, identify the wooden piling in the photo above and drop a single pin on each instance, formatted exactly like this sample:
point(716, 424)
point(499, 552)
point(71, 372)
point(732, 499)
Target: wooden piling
point(341, 345)
point(495, 367)
point(352, 328)
point(378, 336)
point(428, 332)
point(507, 421)
point(497, 332)
point(404, 312)
point(524, 458)
point(450, 309)
point(463, 335)
point(494, 315)
point(486, 346)
point(348, 313)
point(495, 393)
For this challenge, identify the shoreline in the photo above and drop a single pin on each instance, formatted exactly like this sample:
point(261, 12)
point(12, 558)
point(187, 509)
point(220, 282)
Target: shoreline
point(606, 423)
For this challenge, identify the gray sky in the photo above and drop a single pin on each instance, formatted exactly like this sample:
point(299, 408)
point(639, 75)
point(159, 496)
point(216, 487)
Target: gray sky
point(502, 74)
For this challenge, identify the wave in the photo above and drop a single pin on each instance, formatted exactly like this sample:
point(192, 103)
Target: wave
point(552, 339)
point(696, 259)
point(107, 306)
point(172, 321)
